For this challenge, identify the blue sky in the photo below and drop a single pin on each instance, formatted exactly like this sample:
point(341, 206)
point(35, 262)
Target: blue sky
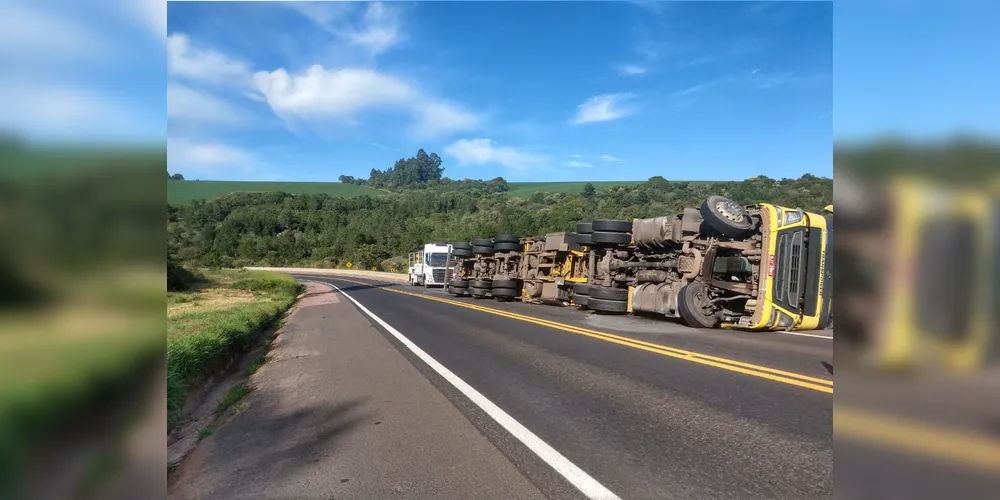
point(532, 91)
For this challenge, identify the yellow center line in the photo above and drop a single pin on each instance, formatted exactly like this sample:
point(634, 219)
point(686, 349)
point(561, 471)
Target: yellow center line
point(973, 450)
point(817, 384)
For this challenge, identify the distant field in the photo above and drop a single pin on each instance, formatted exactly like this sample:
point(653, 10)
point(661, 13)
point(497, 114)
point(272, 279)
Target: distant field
point(522, 189)
point(180, 192)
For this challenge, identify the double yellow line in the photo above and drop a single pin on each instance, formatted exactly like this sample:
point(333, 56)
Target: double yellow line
point(816, 384)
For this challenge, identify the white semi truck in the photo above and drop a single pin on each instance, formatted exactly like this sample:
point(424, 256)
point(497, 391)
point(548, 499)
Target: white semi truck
point(427, 266)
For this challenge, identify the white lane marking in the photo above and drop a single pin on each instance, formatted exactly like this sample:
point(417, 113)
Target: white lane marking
point(808, 335)
point(575, 475)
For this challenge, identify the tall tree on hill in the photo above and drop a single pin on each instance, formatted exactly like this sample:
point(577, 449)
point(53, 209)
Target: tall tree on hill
point(589, 190)
point(430, 166)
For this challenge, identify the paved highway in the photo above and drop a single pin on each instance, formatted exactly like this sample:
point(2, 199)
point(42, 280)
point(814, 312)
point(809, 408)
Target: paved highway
point(604, 407)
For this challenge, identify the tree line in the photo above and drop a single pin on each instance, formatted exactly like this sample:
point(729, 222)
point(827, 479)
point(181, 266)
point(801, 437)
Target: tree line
point(281, 229)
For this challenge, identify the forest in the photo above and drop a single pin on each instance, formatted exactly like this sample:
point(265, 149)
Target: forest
point(281, 229)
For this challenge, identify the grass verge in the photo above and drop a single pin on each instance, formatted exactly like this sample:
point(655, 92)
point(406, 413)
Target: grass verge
point(209, 325)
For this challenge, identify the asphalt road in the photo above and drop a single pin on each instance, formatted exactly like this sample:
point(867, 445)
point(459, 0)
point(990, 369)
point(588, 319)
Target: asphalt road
point(647, 408)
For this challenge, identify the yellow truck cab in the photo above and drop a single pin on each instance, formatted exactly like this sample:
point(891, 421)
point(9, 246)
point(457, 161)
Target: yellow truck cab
point(939, 295)
point(795, 286)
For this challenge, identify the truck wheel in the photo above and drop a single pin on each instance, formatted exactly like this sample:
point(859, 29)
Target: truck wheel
point(584, 239)
point(478, 293)
point(478, 250)
point(484, 284)
point(458, 292)
point(581, 289)
point(692, 304)
point(482, 242)
point(608, 239)
point(465, 245)
point(507, 247)
point(726, 216)
point(464, 253)
point(505, 293)
point(584, 228)
point(505, 238)
point(459, 284)
point(604, 305)
point(611, 226)
point(608, 293)
point(512, 284)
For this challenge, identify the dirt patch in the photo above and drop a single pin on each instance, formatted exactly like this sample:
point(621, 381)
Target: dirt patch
point(209, 299)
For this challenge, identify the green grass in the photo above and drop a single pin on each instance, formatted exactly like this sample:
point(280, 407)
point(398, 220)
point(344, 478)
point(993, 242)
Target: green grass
point(257, 363)
point(204, 432)
point(233, 396)
point(208, 326)
point(181, 192)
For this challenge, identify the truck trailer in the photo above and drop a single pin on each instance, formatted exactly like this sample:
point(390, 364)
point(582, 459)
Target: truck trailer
point(758, 267)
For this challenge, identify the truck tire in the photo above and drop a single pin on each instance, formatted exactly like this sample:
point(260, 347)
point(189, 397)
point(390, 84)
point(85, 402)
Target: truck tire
point(581, 300)
point(584, 228)
point(505, 246)
point(462, 253)
point(458, 292)
point(608, 239)
point(481, 242)
point(609, 293)
point(584, 239)
point(505, 293)
point(609, 306)
point(459, 284)
point(461, 244)
point(478, 250)
point(478, 293)
point(611, 226)
point(505, 238)
point(512, 284)
point(726, 216)
point(484, 284)
point(689, 305)
point(581, 289)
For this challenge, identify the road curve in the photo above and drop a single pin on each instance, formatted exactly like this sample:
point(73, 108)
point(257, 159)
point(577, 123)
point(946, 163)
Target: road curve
point(646, 408)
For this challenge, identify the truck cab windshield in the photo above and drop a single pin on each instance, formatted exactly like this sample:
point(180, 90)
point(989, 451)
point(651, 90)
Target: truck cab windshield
point(437, 259)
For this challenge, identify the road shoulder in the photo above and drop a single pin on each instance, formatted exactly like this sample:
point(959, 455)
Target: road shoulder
point(338, 412)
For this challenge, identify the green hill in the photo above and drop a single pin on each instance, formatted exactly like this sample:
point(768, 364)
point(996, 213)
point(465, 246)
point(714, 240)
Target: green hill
point(181, 192)
point(522, 189)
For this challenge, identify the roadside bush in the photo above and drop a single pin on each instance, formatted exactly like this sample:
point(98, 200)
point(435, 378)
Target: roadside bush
point(179, 278)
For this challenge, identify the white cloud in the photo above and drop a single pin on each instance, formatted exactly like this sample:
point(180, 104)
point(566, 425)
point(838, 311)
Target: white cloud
point(486, 152)
point(187, 60)
point(581, 164)
point(337, 93)
point(574, 155)
point(435, 118)
point(631, 70)
point(611, 159)
point(152, 13)
point(31, 32)
point(186, 153)
point(605, 107)
point(340, 94)
point(185, 103)
point(377, 30)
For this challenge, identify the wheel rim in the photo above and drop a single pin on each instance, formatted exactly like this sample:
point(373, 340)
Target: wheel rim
point(730, 210)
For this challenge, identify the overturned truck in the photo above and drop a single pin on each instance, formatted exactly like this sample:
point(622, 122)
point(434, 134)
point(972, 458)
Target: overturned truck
point(761, 267)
